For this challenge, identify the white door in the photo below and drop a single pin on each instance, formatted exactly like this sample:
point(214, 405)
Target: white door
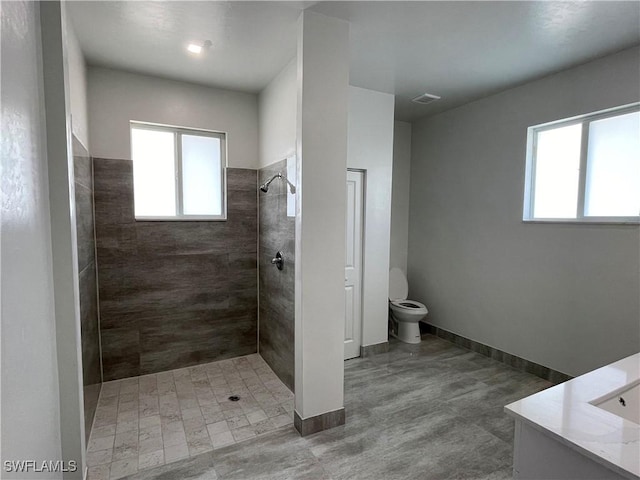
point(353, 265)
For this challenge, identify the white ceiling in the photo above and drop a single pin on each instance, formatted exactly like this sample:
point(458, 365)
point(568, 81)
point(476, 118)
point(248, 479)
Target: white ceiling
point(252, 41)
point(460, 51)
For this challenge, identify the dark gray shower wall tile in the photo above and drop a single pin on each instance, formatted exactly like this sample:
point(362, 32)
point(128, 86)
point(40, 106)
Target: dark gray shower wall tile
point(245, 303)
point(278, 319)
point(241, 202)
point(82, 171)
point(277, 342)
point(242, 279)
point(288, 225)
point(242, 233)
point(112, 208)
point(113, 191)
point(115, 320)
point(269, 218)
point(181, 238)
point(84, 226)
point(150, 285)
point(242, 179)
point(290, 250)
point(243, 261)
point(115, 244)
point(83, 183)
point(195, 238)
point(182, 339)
point(280, 360)
point(155, 270)
point(91, 396)
point(276, 287)
point(155, 303)
point(274, 239)
point(89, 325)
point(274, 219)
point(142, 275)
point(90, 341)
point(112, 174)
point(121, 352)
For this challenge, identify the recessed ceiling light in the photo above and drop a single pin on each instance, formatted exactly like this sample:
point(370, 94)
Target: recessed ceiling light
point(425, 98)
point(197, 48)
point(193, 48)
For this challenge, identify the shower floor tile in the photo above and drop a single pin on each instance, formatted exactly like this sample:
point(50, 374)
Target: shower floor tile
point(143, 422)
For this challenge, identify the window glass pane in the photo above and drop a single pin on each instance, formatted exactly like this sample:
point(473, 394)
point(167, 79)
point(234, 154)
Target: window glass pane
point(154, 176)
point(613, 167)
point(201, 175)
point(557, 171)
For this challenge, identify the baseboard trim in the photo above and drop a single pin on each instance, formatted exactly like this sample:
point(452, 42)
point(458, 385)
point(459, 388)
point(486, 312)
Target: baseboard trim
point(324, 421)
point(368, 350)
point(513, 361)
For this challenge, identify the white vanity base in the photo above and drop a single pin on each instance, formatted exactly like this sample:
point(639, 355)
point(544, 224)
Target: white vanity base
point(536, 455)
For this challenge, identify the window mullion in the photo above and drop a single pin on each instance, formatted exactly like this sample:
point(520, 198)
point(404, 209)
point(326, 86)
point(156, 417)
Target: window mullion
point(582, 179)
point(178, 156)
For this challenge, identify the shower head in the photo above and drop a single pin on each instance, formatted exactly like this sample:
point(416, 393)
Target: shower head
point(265, 186)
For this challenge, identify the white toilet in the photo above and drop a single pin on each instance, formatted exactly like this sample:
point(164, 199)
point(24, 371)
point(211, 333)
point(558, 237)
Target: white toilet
point(406, 313)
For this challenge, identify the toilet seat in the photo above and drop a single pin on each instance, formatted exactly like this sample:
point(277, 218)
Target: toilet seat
point(409, 306)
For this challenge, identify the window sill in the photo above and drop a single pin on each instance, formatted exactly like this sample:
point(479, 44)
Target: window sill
point(185, 218)
point(630, 221)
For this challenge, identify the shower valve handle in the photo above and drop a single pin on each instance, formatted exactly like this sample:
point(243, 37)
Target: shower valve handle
point(278, 261)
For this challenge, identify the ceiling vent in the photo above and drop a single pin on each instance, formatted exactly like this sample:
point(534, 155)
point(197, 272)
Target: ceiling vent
point(425, 98)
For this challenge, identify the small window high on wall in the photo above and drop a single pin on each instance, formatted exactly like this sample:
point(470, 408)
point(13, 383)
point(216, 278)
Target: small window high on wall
point(178, 173)
point(585, 169)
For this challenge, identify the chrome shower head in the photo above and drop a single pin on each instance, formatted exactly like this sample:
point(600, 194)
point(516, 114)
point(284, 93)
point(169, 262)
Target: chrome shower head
point(265, 186)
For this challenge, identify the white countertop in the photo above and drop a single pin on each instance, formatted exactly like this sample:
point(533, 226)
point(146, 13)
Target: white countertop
point(564, 413)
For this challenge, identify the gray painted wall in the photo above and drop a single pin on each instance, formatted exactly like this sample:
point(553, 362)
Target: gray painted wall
point(116, 97)
point(30, 396)
point(370, 148)
point(565, 296)
point(277, 110)
point(77, 85)
point(400, 195)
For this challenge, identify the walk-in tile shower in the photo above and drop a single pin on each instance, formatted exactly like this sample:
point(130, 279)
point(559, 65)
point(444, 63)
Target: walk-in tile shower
point(174, 314)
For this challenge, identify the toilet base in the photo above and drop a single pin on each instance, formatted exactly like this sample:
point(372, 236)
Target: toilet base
point(409, 332)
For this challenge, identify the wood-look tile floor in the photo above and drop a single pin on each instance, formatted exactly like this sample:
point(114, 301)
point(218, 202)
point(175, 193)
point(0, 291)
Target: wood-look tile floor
point(152, 420)
point(430, 411)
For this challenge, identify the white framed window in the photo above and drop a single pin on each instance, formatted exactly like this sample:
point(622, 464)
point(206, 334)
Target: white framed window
point(585, 169)
point(178, 173)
